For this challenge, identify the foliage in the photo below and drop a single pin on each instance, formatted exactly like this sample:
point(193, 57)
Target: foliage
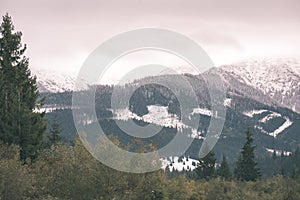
point(15, 179)
point(66, 172)
point(224, 170)
point(246, 169)
point(206, 166)
point(54, 136)
point(19, 124)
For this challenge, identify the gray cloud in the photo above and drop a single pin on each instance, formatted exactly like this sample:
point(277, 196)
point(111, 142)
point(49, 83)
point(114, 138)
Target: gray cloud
point(60, 34)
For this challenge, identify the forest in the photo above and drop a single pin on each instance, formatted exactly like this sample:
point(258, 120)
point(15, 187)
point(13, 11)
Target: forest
point(70, 172)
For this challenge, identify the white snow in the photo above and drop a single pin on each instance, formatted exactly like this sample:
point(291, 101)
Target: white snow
point(54, 81)
point(278, 152)
point(279, 79)
point(50, 109)
point(186, 163)
point(267, 75)
point(269, 117)
point(87, 122)
point(202, 111)
point(281, 128)
point(227, 102)
point(46, 110)
point(195, 134)
point(158, 115)
point(261, 129)
point(251, 113)
point(125, 114)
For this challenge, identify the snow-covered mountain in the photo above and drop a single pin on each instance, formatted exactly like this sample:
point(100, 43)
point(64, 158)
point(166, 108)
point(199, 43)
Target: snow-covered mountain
point(249, 104)
point(54, 81)
point(272, 81)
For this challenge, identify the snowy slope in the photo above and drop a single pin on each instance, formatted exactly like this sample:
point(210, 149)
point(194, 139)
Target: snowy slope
point(158, 115)
point(266, 119)
point(54, 81)
point(271, 81)
point(279, 79)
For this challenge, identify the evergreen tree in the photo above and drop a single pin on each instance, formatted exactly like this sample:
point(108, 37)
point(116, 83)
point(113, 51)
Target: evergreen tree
point(206, 167)
point(224, 170)
point(54, 136)
point(246, 167)
point(19, 124)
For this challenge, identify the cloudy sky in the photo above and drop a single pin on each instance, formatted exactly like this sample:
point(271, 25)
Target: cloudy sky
point(61, 34)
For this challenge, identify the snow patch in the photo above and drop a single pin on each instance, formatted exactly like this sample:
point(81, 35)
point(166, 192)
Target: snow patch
point(269, 117)
point(278, 152)
point(202, 111)
point(227, 102)
point(261, 129)
point(54, 81)
point(280, 129)
point(196, 135)
point(158, 115)
point(50, 109)
point(251, 113)
point(277, 78)
point(173, 163)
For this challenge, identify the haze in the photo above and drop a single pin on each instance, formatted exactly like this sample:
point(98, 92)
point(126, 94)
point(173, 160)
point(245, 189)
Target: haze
point(61, 34)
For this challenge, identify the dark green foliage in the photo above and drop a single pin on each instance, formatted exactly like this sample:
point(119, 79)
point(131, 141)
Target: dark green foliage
point(151, 94)
point(236, 123)
point(18, 96)
point(65, 172)
point(246, 169)
point(15, 178)
point(157, 195)
point(54, 136)
point(206, 166)
point(224, 170)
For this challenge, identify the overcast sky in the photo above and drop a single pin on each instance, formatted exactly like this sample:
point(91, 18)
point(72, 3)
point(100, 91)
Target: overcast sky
point(61, 34)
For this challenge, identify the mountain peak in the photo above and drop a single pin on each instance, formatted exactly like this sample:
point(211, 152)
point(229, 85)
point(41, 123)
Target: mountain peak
point(277, 78)
point(54, 81)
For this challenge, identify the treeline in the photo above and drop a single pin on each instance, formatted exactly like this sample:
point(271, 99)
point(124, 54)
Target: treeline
point(66, 172)
point(247, 166)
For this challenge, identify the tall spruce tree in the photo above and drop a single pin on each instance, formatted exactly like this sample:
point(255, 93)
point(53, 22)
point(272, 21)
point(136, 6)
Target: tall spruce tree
point(224, 170)
point(246, 167)
point(19, 124)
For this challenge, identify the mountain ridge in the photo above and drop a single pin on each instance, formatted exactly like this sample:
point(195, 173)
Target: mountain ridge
point(277, 79)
